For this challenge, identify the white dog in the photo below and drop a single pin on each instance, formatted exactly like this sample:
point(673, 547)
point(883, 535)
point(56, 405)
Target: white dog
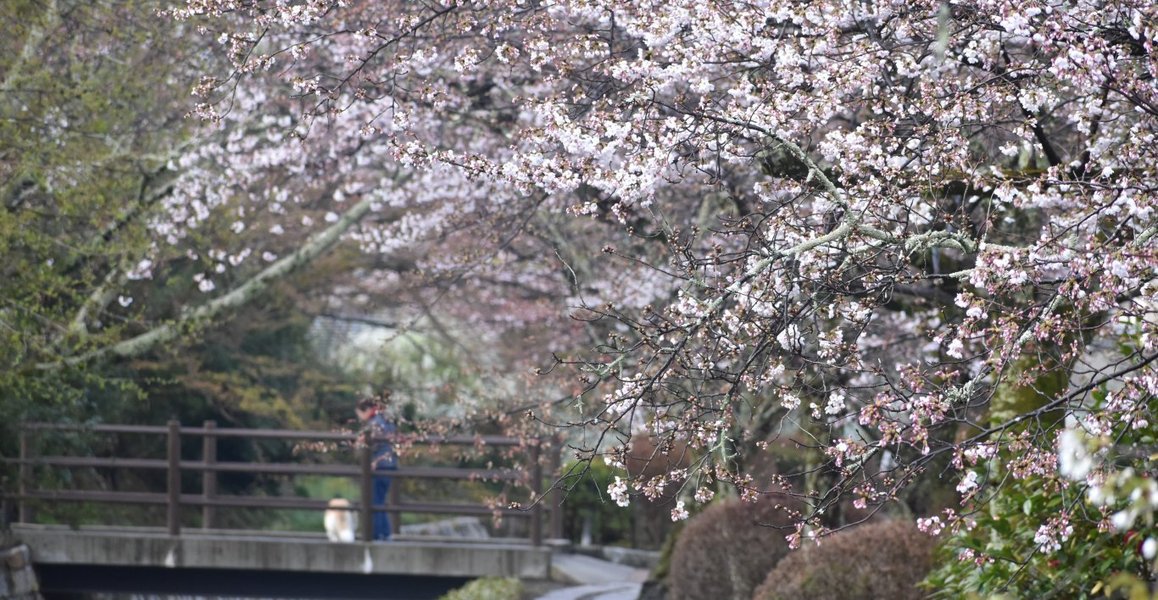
point(341, 522)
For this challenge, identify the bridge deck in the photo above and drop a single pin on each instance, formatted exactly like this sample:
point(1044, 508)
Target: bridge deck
point(266, 551)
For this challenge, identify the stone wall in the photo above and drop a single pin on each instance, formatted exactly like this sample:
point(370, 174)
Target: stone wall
point(17, 579)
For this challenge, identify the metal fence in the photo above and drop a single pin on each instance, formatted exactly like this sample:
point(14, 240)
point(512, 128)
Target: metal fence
point(209, 500)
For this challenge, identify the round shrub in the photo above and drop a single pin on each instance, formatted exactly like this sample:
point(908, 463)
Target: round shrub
point(487, 588)
point(877, 560)
point(726, 551)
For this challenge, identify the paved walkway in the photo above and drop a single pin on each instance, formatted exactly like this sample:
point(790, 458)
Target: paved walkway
point(596, 579)
point(602, 591)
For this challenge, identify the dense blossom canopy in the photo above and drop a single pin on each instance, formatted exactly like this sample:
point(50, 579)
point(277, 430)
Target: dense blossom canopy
point(893, 231)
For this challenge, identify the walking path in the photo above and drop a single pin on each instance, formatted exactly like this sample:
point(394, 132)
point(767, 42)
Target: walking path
point(603, 591)
point(597, 579)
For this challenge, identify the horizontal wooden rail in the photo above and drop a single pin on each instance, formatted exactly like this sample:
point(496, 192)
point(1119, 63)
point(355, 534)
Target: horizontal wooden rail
point(160, 499)
point(281, 434)
point(267, 468)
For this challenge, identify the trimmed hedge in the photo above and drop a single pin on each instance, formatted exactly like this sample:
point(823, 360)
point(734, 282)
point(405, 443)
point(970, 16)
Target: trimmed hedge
point(877, 560)
point(487, 588)
point(726, 551)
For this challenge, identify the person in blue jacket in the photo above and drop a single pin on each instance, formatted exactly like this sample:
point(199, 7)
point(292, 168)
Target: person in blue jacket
point(383, 458)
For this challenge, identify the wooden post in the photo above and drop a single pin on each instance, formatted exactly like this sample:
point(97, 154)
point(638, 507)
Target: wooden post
point(395, 516)
point(174, 472)
point(555, 462)
point(367, 524)
point(537, 494)
point(23, 510)
point(208, 476)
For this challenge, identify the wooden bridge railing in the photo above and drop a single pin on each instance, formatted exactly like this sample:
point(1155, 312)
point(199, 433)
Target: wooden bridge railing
point(174, 499)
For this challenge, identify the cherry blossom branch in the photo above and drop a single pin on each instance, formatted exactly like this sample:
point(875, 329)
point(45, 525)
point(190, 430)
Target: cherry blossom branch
point(1058, 402)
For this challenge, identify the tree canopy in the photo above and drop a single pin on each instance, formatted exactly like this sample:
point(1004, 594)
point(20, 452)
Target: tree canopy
point(916, 239)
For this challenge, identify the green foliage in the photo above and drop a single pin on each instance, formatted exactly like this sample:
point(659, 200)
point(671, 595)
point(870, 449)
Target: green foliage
point(1000, 555)
point(489, 588)
point(877, 560)
point(1014, 397)
point(727, 550)
point(256, 372)
point(92, 96)
point(436, 375)
point(588, 499)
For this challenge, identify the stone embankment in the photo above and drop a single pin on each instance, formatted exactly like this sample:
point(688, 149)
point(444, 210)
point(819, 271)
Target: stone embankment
point(17, 579)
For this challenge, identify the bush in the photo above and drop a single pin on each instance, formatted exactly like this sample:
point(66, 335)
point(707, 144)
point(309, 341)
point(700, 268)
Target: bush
point(878, 560)
point(488, 588)
point(727, 550)
point(1002, 554)
point(1036, 537)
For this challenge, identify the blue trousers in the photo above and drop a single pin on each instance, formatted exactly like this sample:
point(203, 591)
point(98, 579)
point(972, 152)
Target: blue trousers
point(382, 529)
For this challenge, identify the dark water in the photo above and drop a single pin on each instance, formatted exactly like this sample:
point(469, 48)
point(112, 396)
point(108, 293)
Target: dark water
point(88, 582)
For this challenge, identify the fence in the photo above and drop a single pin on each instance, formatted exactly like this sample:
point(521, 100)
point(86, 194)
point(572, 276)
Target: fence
point(209, 468)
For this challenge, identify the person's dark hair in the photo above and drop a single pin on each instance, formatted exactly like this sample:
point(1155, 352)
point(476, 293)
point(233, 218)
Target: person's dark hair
point(367, 404)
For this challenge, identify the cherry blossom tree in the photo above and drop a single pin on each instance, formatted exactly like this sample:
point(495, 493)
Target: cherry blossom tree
point(894, 232)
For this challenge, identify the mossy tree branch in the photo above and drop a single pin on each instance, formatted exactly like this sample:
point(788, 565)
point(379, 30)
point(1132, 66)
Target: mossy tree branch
point(314, 247)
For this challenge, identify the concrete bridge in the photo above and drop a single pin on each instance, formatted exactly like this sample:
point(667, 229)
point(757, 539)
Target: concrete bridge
point(266, 564)
point(190, 556)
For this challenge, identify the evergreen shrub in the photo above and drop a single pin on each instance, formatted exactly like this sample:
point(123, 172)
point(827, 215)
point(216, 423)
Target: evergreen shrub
point(878, 560)
point(726, 551)
point(487, 588)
